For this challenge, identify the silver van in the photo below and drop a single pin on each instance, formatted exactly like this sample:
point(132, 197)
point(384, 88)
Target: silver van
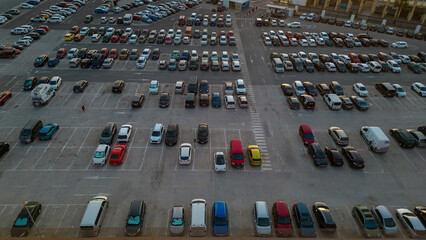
point(93, 216)
point(198, 227)
point(261, 219)
point(333, 101)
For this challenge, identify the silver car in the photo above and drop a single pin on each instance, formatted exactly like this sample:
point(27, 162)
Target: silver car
point(101, 155)
point(339, 136)
point(385, 220)
point(411, 223)
point(418, 136)
point(177, 221)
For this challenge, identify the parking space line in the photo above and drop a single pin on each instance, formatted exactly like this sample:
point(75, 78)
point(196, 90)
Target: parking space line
point(45, 149)
point(4, 207)
point(81, 97)
point(94, 97)
point(402, 104)
point(408, 159)
point(25, 99)
point(415, 150)
point(130, 147)
point(63, 216)
point(22, 159)
point(79, 149)
point(63, 104)
point(161, 157)
point(13, 78)
point(41, 215)
point(376, 104)
point(144, 155)
point(103, 106)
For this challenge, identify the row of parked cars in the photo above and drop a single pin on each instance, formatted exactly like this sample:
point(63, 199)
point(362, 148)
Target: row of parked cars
point(206, 20)
point(57, 13)
point(369, 27)
point(373, 221)
point(30, 33)
point(308, 39)
point(353, 62)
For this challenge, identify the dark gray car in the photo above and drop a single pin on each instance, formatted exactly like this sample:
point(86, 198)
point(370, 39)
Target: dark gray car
point(108, 133)
point(317, 154)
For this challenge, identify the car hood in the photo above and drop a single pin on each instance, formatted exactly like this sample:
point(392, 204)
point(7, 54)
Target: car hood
point(98, 161)
point(106, 140)
point(132, 230)
point(220, 230)
point(177, 229)
point(170, 140)
point(263, 230)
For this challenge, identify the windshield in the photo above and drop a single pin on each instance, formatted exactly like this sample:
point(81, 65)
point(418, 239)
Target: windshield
point(177, 222)
point(20, 222)
point(99, 154)
point(220, 160)
point(283, 220)
point(202, 133)
point(238, 156)
point(263, 222)
point(220, 221)
point(309, 136)
point(370, 224)
point(156, 133)
point(153, 86)
point(25, 132)
point(389, 222)
point(171, 133)
point(133, 220)
point(106, 133)
point(306, 223)
point(115, 156)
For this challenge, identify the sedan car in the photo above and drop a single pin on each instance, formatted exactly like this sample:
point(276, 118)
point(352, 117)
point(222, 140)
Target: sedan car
point(385, 221)
point(101, 155)
point(331, 67)
point(419, 88)
point(352, 155)
point(333, 156)
point(411, 223)
point(185, 152)
point(117, 154)
point(46, 133)
point(324, 217)
point(360, 89)
point(359, 103)
point(4, 96)
point(293, 102)
point(203, 133)
point(25, 219)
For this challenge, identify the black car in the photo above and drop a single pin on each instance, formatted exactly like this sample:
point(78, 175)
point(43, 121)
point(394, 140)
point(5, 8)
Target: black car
point(399, 32)
point(363, 58)
point(383, 43)
point(310, 88)
point(341, 66)
point(333, 156)
point(414, 67)
point(88, 19)
point(323, 214)
point(40, 31)
point(30, 83)
point(298, 66)
point(92, 31)
point(346, 103)
point(359, 103)
point(365, 42)
point(309, 66)
point(117, 86)
point(336, 88)
point(293, 102)
point(349, 43)
point(338, 42)
point(82, 53)
point(41, 60)
point(420, 212)
point(325, 58)
point(404, 138)
point(203, 133)
point(155, 54)
point(25, 220)
point(135, 218)
point(86, 63)
point(4, 147)
point(308, 101)
point(322, 88)
point(164, 100)
point(373, 57)
point(353, 67)
point(172, 134)
point(317, 154)
point(79, 86)
point(13, 11)
point(352, 155)
point(106, 38)
point(340, 23)
point(319, 66)
point(409, 34)
point(331, 21)
point(287, 89)
point(374, 42)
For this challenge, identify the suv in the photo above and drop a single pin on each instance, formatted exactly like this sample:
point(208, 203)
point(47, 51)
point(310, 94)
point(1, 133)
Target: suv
point(124, 133)
point(108, 133)
point(386, 89)
point(316, 152)
point(303, 220)
point(118, 86)
point(366, 221)
point(403, 138)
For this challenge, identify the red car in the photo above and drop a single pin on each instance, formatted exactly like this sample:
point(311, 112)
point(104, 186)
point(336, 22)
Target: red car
point(136, 18)
point(78, 37)
point(168, 40)
point(289, 34)
point(354, 57)
point(124, 38)
point(4, 96)
point(117, 154)
point(45, 27)
point(75, 29)
point(104, 52)
point(306, 134)
point(115, 38)
point(61, 53)
point(113, 53)
point(231, 34)
point(282, 220)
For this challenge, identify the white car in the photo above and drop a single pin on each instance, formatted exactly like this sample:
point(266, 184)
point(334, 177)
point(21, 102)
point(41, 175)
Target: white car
point(55, 82)
point(204, 41)
point(146, 53)
point(293, 42)
point(26, 6)
point(229, 101)
point(310, 16)
point(294, 25)
point(399, 44)
point(303, 16)
point(363, 67)
point(55, 8)
point(59, 16)
point(72, 53)
point(360, 89)
point(334, 57)
point(404, 58)
point(110, 31)
point(27, 38)
point(214, 56)
point(223, 40)
point(235, 57)
point(357, 42)
point(281, 23)
point(400, 92)
point(153, 87)
point(236, 66)
point(280, 33)
point(410, 222)
point(419, 88)
point(185, 152)
point(54, 20)
point(133, 38)
point(186, 40)
point(330, 66)
point(324, 35)
point(157, 133)
point(29, 27)
point(344, 58)
point(298, 87)
point(141, 62)
point(313, 57)
point(84, 30)
point(303, 56)
point(374, 66)
point(128, 31)
point(178, 33)
point(101, 155)
point(393, 66)
point(267, 41)
point(312, 43)
point(240, 87)
point(171, 33)
point(272, 34)
point(124, 133)
point(303, 42)
point(225, 56)
point(177, 40)
point(320, 41)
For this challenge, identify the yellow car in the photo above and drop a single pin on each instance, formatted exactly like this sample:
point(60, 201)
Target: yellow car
point(254, 155)
point(69, 36)
point(45, 16)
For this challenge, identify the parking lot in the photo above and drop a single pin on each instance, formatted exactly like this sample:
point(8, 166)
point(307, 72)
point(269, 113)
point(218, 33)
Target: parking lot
point(58, 173)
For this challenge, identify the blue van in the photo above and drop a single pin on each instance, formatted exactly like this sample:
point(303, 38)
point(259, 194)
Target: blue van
point(220, 219)
point(304, 221)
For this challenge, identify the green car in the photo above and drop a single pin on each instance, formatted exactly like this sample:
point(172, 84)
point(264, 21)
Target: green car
point(366, 221)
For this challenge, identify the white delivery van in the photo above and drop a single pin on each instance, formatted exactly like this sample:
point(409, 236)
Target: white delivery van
point(42, 94)
point(198, 227)
point(375, 138)
point(93, 216)
point(333, 101)
point(127, 19)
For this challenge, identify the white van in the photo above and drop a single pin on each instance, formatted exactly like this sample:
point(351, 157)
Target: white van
point(127, 19)
point(261, 219)
point(198, 227)
point(278, 65)
point(375, 138)
point(333, 101)
point(93, 216)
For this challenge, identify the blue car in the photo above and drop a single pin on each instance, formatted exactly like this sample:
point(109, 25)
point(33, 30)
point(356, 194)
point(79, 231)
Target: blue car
point(220, 219)
point(46, 133)
point(53, 62)
point(216, 102)
point(153, 17)
point(304, 221)
point(212, 23)
point(101, 10)
point(146, 19)
point(33, 2)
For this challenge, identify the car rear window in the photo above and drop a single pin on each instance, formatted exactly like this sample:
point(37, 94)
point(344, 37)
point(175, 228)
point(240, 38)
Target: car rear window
point(21, 222)
point(309, 136)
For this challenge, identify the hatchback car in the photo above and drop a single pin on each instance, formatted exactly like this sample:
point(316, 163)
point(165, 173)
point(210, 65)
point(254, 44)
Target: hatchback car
point(385, 220)
point(124, 133)
point(282, 219)
point(101, 155)
point(338, 136)
point(220, 219)
point(185, 153)
point(48, 130)
point(177, 221)
point(411, 223)
point(117, 154)
point(157, 134)
point(366, 221)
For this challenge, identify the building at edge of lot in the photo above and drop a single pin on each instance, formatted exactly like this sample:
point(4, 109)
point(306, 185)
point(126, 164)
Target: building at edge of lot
point(236, 4)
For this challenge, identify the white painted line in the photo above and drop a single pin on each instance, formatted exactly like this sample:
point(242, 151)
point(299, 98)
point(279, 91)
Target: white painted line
point(63, 104)
point(130, 147)
point(376, 104)
point(97, 93)
point(144, 155)
point(402, 104)
point(63, 216)
point(22, 159)
point(103, 106)
point(79, 149)
point(161, 157)
point(81, 97)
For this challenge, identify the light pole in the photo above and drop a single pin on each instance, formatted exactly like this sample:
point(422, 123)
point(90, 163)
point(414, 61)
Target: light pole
point(32, 219)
